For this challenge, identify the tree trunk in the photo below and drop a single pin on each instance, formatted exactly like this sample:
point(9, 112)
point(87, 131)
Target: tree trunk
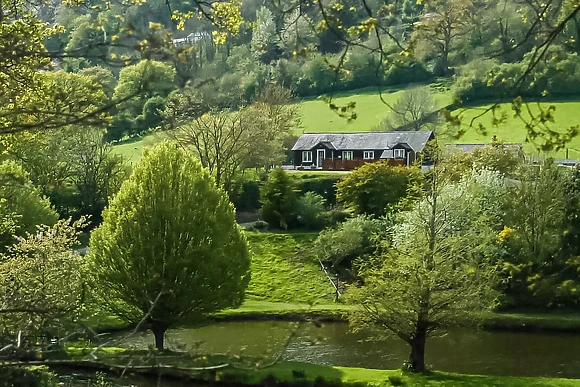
point(159, 330)
point(417, 356)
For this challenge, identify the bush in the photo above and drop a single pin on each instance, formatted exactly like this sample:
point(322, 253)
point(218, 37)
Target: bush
point(377, 188)
point(311, 211)
point(248, 198)
point(352, 239)
point(323, 185)
point(409, 73)
point(278, 199)
point(36, 376)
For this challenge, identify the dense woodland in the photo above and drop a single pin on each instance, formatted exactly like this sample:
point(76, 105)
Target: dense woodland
point(484, 231)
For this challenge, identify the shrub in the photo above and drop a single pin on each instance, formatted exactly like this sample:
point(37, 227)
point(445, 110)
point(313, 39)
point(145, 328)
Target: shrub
point(248, 198)
point(352, 239)
point(278, 199)
point(311, 211)
point(377, 188)
point(324, 185)
point(409, 73)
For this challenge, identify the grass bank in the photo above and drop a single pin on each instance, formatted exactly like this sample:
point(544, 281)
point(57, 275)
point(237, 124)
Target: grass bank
point(285, 270)
point(302, 373)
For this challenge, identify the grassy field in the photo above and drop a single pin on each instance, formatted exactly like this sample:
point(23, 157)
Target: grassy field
point(567, 114)
point(287, 371)
point(132, 149)
point(317, 117)
point(283, 269)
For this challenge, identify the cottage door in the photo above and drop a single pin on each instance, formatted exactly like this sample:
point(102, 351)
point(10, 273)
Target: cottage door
point(320, 154)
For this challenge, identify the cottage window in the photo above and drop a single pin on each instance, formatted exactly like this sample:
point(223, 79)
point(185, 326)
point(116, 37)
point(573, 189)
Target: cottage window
point(368, 155)
point(347, 155)
point(307, 156)
point(399, 153)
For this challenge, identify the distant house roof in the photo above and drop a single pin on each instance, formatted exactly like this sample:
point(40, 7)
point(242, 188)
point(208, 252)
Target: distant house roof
point(566, 162)
point(364, 141)
point(192, 38)
point(471, 147)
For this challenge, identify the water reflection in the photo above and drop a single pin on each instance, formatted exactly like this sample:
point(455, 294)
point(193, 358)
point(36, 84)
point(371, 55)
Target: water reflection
point(464, 351)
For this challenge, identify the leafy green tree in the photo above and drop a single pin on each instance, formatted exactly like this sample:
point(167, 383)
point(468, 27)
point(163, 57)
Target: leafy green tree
point(437, 271)
point(443, 23)
point(140, 82)
point(352, 239)
point(227, 142)
point(298, 32)
point(42, 280)
point(536, 260)
point(264, 37)
point(377, 188)
point(22, 207)
point(457, 163)
point(538, 204)
point(89, 40)
point(96, 172)
point(57, 100)
point(169, 247)
point(74, 167)
point(278, 199)
point(151, 115)
point(102, 76)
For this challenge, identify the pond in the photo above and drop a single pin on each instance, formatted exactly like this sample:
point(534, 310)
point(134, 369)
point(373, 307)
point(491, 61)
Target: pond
point(461, 350)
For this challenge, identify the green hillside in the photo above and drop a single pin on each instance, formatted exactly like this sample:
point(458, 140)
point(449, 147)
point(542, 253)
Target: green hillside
point(370, 109)
point(316, 116)
point(567, 114)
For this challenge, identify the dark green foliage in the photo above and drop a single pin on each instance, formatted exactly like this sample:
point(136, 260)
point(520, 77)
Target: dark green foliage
point(151, 116)
point(411, 72)
point(27, 377)
point(322, 184)
point(122, 124)
point(247, 197)
point(278, 200)
point(311, 211)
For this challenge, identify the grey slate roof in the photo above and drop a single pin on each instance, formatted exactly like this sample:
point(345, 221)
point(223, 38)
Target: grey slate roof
point(363, 141)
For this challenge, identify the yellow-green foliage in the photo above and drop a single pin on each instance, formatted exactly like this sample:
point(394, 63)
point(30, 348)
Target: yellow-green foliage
point(287, 371)
point(284, 270)
point(376, 188)
point(169, 244)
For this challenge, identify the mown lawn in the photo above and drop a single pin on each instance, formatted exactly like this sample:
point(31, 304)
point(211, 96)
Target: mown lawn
point(132, 149)
point(287, 371)
point(370, 109)
point(284, 269)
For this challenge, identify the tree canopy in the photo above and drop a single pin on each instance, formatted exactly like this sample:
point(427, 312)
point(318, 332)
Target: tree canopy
point(169, 246)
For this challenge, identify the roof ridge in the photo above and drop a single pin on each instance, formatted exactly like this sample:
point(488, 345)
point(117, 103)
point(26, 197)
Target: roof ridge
point(372, 132)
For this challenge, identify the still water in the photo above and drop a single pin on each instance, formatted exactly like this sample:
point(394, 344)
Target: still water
point(463, 351)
